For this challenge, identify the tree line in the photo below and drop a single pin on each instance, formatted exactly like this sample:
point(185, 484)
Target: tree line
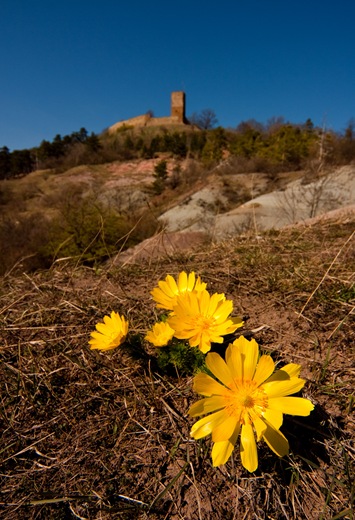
point(273, 146)
point(48, 154)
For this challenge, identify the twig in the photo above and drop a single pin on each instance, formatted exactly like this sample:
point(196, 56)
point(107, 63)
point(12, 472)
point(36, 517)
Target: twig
point(326, 273)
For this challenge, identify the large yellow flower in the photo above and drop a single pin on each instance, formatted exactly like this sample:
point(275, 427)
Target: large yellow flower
point(109, 334)
point(167, 291)
point(160, 335)
point(202, 319)
point(249, 400)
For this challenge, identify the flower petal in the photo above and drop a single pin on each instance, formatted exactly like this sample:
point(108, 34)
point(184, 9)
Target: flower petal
point(285, 373)
point(97, 336)
point(183, 281)
point(276, 441)
point(204, 345)
point(219, 368)
point(248, 450)
point(221, 307)
point(282, 388)
point(221, 451)
point(291, 405)
point(249, 351)
point(205, 425)
point(103, 327)
point(160, 334)
point(205, 385)
point(234, 361)
point(259, 426)
point(224, 431)
point(274, 417)
point(109, 333)
point(207, 405)
point(264, 369)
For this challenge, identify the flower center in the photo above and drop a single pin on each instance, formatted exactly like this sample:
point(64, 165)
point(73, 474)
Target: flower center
point(245, 397)
point(203, 323)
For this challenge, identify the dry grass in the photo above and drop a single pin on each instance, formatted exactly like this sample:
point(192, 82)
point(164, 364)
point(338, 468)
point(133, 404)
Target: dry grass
point(94, 435)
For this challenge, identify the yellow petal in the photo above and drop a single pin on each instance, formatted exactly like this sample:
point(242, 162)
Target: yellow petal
point(276, 441)
point(183, 281)
point(259, 426)
point(282, 388)
point(291, 405)
point(204, 345)
point(250, 352)
point(248, 450)
point(232, 325)
point(205, 425)
point(219, 368)
point(207, 405)
point(237, 322)
point(265, 368)
point(170, 286)
point(222, 308)
point(200, 286)
point(221, 451)
point(102, 327)
point(204, 300)
point(107, 320)
point(224, 431)
point(285, 373)
point(205, 385)
point(234, 361)
point(197, 302)
point(274, 417)
point(213, 302)
point(97, 336)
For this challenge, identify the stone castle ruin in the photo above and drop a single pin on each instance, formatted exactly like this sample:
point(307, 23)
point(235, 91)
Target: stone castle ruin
point(177, 115)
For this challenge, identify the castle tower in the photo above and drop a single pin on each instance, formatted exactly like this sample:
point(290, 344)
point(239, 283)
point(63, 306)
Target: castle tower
point(178, 106)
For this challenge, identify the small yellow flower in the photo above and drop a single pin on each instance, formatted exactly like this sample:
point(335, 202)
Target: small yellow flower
point(160, 335)
point(109, 334)
point(167, 291)
point(202, 319)
point(249, 400)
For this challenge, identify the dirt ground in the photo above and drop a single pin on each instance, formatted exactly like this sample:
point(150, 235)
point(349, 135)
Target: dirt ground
point(95, 435)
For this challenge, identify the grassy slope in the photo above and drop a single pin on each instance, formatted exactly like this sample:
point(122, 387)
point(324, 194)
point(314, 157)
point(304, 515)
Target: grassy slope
point(82, 429)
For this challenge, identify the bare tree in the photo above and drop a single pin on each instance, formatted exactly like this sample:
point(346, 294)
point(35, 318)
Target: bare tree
point(206, 119)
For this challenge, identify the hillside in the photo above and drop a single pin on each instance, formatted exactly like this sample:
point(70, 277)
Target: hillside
point(96, 211)
point(93, 434)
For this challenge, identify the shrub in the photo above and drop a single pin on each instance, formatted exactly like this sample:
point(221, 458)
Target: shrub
point(21, 241)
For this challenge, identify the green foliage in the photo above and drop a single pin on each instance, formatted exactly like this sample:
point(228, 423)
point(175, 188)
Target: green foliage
point(86, 230)
point(197, 141)
point(284, 145)
point(288, 145)
point(83, 229)
point(179, 358)
point(160, 176)
point(213, 149)
point(277, 145)
point(175, 143)
point(246, 143)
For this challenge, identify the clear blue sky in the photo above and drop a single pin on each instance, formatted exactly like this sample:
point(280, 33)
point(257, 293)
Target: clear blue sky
point(67, 64)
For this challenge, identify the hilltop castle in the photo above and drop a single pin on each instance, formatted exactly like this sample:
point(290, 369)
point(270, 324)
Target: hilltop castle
point(177, 115)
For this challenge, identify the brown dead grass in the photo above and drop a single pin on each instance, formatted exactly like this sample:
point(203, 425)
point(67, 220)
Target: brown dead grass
point(94, 435)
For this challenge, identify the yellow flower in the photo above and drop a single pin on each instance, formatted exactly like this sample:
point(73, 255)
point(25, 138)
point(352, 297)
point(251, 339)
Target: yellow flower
point(167, 291)
point(202, 319)
point(249, 400)
point(109, 334)
point(160, 335)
